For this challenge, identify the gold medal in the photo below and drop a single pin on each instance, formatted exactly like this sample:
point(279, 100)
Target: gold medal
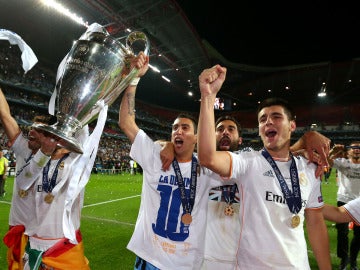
point(49, 198)
point(186, 218)
point(295, 221)
point(22, 193)
point(61, 166)
point(229, 210)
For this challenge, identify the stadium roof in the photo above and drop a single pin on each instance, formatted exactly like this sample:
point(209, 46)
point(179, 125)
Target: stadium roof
point(266, 47)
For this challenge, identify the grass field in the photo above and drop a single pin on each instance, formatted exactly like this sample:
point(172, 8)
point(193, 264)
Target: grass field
point(109, 215)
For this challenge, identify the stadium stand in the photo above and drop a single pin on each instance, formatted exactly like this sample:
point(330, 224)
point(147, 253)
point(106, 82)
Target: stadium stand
point(28, 95)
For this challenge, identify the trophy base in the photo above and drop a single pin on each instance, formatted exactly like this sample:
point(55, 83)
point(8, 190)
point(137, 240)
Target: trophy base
point(64, 141)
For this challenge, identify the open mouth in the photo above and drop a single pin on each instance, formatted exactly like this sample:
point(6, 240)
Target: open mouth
point(270, 133)
point(178, 142)
point(224, 142)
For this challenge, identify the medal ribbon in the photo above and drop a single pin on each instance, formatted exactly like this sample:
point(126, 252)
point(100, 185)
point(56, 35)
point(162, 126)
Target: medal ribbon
point(293, 199)
point(187, 202)
point(28, 159)
point(229, 193)
point(48, 186)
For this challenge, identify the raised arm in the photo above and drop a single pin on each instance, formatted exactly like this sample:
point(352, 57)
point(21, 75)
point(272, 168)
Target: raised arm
point(9, 123)
point(127, 107)
point(210, 82)
point(338, 151)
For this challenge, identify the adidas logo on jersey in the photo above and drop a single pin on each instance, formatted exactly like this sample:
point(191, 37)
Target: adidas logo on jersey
point(268, 173)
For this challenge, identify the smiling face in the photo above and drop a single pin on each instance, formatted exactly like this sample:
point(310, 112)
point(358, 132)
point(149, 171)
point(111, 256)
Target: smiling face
point(275, 129)
point(227, 136)
point(353, 152)
point(184, 138)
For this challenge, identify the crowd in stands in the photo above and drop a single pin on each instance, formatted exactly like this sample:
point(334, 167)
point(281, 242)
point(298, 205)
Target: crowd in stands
point(29, 94)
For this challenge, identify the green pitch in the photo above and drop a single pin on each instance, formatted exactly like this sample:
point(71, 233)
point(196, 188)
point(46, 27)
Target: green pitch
point(109, 215)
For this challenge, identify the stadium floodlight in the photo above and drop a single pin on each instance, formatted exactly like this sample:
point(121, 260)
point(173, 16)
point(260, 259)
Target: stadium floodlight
point(165, 78)
point(65, 11)
point(154, 68)
point(322, 92)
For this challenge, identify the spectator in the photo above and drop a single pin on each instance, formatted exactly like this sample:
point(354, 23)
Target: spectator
point(3, 170)
point(346, 160)
point(131, 163)
point(327, 173)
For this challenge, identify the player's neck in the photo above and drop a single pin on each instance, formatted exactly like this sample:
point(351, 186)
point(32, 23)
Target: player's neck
point(282, 155)
point(183, 158)
point(355, 160)
point(281, 159)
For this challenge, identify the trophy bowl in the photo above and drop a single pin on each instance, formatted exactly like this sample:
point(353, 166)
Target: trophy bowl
point(96, 69)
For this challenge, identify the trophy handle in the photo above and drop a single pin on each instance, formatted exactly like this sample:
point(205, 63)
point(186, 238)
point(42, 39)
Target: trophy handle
point(135, 42)
point(138, 36)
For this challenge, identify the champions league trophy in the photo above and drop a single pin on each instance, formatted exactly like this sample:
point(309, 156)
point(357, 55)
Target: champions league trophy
point(96, 69)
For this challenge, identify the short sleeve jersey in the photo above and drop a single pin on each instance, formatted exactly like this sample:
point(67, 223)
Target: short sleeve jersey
point(353, 209)
point(349, 179)
point(20, 205)
point(265, 219)
point(160, 237)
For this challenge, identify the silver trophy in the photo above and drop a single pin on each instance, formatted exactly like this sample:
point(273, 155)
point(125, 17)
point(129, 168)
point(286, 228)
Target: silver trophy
point(97, 68)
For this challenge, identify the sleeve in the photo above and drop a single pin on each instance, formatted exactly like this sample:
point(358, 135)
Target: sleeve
point(339, 163)
point(353, 209)
point(225, 180)
point(20, 146)
point(28, 174)
point(241, 162)
point(315, 199)
point(145, 151)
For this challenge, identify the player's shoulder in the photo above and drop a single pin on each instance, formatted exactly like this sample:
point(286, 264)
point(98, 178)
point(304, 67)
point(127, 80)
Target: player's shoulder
point(247, 152)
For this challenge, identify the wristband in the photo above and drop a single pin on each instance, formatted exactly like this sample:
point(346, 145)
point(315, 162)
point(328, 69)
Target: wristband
point(135, 81)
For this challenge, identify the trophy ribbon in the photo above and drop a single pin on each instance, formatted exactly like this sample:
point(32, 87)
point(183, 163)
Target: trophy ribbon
point(28, 57)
